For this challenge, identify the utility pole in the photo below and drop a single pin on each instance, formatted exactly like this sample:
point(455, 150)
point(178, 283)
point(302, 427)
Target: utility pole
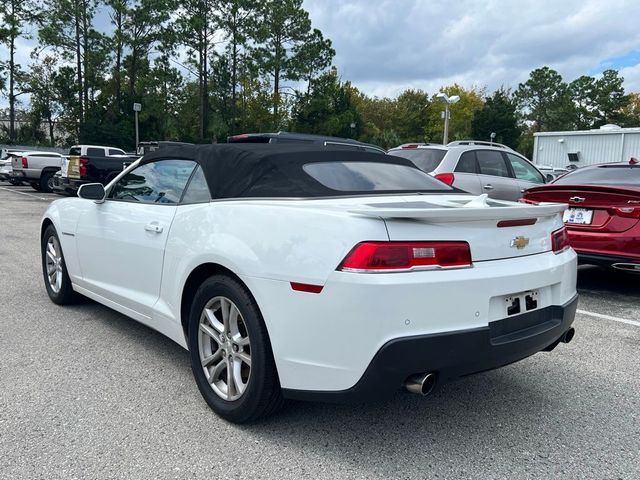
point(447, 101)
point(137, 107)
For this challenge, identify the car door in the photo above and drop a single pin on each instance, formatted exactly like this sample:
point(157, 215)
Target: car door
point(121, 242)
point(527, 176)
point(466, 173)
point(495, 176)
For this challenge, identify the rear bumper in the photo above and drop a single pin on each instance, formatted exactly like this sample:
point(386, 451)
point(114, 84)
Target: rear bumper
point(605, 260)
point(452, 355)
point(66, 185)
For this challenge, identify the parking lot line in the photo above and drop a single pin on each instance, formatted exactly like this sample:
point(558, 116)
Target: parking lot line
point(608, 317)
point(23, 193)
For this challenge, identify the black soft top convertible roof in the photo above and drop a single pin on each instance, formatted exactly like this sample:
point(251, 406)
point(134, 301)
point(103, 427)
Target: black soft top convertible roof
point(267, 170)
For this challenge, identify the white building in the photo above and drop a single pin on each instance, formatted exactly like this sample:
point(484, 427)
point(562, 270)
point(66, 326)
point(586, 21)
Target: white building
point(607, 144)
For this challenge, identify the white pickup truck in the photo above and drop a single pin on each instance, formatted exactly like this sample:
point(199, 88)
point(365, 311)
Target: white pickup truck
point(37, 168)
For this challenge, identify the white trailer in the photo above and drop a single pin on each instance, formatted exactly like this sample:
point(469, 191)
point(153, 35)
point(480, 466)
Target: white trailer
point(607, 144)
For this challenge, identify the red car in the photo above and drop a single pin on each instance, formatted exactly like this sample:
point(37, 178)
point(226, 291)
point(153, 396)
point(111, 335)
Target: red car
point(603, 218)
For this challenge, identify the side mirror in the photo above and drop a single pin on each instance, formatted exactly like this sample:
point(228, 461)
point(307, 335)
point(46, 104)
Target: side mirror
point(92, 191)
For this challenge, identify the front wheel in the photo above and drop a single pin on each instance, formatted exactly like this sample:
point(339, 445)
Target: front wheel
point(230, 351)
point(54, 270)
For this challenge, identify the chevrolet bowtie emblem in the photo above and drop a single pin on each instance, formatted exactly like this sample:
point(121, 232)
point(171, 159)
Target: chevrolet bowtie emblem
point(520, 242)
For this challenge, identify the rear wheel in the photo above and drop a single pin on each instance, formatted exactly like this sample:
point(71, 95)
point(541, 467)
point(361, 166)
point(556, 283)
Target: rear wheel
point(54, 270)
point(230, 351)
point(46, 182)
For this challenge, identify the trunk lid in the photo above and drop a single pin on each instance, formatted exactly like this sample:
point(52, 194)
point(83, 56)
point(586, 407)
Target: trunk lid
point(494, 229)
point(615, 209)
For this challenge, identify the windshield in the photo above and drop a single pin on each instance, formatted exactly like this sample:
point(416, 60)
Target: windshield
point(426, 159)
point(606, 175)
point(372, 177)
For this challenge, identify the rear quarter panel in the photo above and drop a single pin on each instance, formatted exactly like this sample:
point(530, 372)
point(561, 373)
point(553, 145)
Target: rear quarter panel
point(280, 243)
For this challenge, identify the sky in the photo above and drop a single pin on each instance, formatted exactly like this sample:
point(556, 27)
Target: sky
point(386, 46)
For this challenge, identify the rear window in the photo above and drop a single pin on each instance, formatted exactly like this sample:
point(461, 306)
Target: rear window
point(426, 159)
point(74, 151)
point(95, 152)
point(613, 175)
point(372, 177)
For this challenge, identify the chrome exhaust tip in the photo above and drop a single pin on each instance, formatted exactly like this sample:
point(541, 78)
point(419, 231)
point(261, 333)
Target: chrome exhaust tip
point(628, 267)
point(421, 383)
point(568, 335)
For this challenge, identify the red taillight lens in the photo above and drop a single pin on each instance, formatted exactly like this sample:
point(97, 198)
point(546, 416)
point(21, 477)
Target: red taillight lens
point(83, 166)
point(401, 256)
point(627, 212)
point(559, 240)
point(447, 178)
point(530, 202)
point(25, 162)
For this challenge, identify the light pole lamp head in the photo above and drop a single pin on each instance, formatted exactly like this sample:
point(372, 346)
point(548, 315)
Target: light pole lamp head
point(443, 97)
point(454, 99)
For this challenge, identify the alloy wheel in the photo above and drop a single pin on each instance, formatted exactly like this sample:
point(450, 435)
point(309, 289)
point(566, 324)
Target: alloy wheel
point(54, 264)
point(224, 348)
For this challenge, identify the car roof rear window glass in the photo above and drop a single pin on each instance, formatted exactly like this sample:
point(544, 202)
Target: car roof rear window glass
point(98, 152)
point(426, 159)
point(74, 151)
point(372, 177)
point(609, 175)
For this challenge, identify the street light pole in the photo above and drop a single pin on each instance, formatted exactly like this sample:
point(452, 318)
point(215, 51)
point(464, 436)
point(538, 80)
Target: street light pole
point(445, 138)
point(136, 108)
point(447, 101)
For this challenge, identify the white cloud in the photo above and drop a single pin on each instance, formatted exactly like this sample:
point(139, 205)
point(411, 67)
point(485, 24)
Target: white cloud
point(385, 46)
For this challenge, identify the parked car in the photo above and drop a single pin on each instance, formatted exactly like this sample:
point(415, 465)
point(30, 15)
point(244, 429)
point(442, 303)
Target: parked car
point(152, 146)
point(603, 218)
point(304, 138)
point(315, 273)
point(36, 168)
point(6, 172)
point(475, 167)
point(551, 173)
point(87, 164)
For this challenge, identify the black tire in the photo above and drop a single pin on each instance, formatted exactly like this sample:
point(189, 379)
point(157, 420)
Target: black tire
point(36, 186)
point(46, 182)
point(66, 294)
point(263, 395)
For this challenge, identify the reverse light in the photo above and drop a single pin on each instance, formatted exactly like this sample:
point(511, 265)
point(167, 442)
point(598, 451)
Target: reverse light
point(83, 166)
point(447, 178)
point(380, 257)
point(25, 162)
point(559, 240)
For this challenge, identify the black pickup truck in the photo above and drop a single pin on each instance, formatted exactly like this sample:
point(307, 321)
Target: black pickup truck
point(88, 164)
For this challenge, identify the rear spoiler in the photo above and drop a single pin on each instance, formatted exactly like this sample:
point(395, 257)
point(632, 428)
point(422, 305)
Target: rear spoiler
point(461, 210)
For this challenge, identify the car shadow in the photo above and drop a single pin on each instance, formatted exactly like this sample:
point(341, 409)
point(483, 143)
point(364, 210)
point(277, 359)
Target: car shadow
point(599, 279)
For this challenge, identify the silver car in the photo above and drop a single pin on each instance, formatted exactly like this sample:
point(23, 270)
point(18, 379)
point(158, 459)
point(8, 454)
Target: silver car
point(475, 167)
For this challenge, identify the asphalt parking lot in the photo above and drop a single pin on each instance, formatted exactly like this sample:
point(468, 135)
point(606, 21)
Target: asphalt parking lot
point(87, 393)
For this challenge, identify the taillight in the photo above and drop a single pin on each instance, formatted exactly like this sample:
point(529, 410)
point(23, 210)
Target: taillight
point(530, 202)
point(371, 257)
point(628, 212)
point(83, 166)
point(559, 240)
point(25, 162)
point(447, 178)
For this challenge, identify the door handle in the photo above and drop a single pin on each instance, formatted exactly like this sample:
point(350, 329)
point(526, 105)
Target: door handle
point(153, 227)
point(488, 187)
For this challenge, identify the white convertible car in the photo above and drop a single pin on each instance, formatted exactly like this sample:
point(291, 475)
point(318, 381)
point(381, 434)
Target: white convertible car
point(314, 273)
